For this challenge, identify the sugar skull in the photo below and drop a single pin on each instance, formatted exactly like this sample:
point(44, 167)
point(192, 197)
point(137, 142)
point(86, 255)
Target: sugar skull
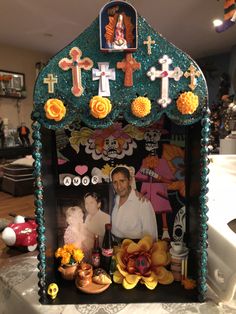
point(142, 264)
point(53, 290)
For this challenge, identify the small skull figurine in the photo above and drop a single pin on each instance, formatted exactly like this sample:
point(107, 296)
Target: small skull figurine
point(53, 290)
point(142, 264)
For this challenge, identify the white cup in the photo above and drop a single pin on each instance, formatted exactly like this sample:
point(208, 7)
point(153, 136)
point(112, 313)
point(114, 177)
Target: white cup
point(178, 246)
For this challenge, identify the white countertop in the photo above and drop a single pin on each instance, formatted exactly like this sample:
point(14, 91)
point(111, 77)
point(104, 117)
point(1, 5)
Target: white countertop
point(18, 290)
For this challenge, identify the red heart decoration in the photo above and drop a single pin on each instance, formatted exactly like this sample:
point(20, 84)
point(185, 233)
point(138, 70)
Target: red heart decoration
point(81, 169)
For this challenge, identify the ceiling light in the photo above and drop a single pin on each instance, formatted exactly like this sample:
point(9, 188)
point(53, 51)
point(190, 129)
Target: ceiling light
point(217, 22)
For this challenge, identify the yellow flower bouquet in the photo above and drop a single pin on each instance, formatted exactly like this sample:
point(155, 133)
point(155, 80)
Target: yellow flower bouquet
point(69, 254)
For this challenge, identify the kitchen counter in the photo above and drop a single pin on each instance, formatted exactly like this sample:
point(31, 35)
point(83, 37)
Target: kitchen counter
point(19, 286)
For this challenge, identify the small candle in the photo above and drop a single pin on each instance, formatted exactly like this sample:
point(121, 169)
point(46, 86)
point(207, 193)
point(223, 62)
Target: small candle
point(186, 268)
point(182, 270)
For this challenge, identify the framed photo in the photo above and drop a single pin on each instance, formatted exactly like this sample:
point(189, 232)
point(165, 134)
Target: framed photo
point(82, 215)
point(12, 84)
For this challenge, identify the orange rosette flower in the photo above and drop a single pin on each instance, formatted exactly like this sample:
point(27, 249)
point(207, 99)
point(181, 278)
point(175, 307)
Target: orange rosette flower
point(100, 107)
point(187, 103)
point(142, 262)
point(141, 107)
point(55, 109)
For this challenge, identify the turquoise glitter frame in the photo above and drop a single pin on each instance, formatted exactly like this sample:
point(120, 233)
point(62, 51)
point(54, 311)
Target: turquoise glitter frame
point(121, 98)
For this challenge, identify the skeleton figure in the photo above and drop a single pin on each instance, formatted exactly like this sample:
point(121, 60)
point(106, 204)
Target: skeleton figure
point(155, 175)
point(109, 144)
point(111, 148)
point(152, 137)
point(112, 143)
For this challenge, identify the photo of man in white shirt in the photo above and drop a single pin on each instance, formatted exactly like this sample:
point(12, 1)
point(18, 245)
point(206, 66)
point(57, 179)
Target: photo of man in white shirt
point(132, 217)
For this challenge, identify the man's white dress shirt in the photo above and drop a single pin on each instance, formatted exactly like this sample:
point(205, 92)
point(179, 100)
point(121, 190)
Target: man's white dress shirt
point(134, 219)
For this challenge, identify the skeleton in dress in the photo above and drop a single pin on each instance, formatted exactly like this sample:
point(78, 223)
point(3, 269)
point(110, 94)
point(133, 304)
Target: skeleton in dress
point(155, 174)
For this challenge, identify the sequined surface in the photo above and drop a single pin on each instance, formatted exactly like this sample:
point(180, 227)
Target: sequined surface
point(121, 96)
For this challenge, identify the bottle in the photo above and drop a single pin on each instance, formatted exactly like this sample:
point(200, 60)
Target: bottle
point(107, 249)
point(96, 254)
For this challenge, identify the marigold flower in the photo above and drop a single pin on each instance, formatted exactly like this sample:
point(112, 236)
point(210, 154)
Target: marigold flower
point(100, 107)
point(141, 107)
point(187, 103)
point(69, 254)
point(78, 255)
point(55, 109)
point(59, 252)
point(65, 258)
point(69, 248)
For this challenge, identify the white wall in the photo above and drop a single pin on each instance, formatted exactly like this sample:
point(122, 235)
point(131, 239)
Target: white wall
point(23, 61)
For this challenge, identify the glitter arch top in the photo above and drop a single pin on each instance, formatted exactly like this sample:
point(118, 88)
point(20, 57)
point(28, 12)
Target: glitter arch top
point(154, 68)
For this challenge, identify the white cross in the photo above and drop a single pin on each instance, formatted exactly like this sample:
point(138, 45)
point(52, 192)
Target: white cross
point(50, 80)
point(165, 74)
point(103, 74)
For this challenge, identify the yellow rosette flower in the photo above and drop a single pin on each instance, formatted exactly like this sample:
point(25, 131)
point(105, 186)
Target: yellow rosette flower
point(55, 109)
point(100, 107)
point(142, 262)
point(187, 103)
point(141, 107)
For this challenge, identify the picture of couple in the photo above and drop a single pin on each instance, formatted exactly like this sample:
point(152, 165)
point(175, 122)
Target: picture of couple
point(84, 222)
point(132, 216)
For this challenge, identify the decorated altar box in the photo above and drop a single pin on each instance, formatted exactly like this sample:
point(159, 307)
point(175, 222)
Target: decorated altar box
point(121, 95)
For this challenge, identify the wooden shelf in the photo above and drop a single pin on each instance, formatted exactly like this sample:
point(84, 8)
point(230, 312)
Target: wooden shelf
point(13, 97)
